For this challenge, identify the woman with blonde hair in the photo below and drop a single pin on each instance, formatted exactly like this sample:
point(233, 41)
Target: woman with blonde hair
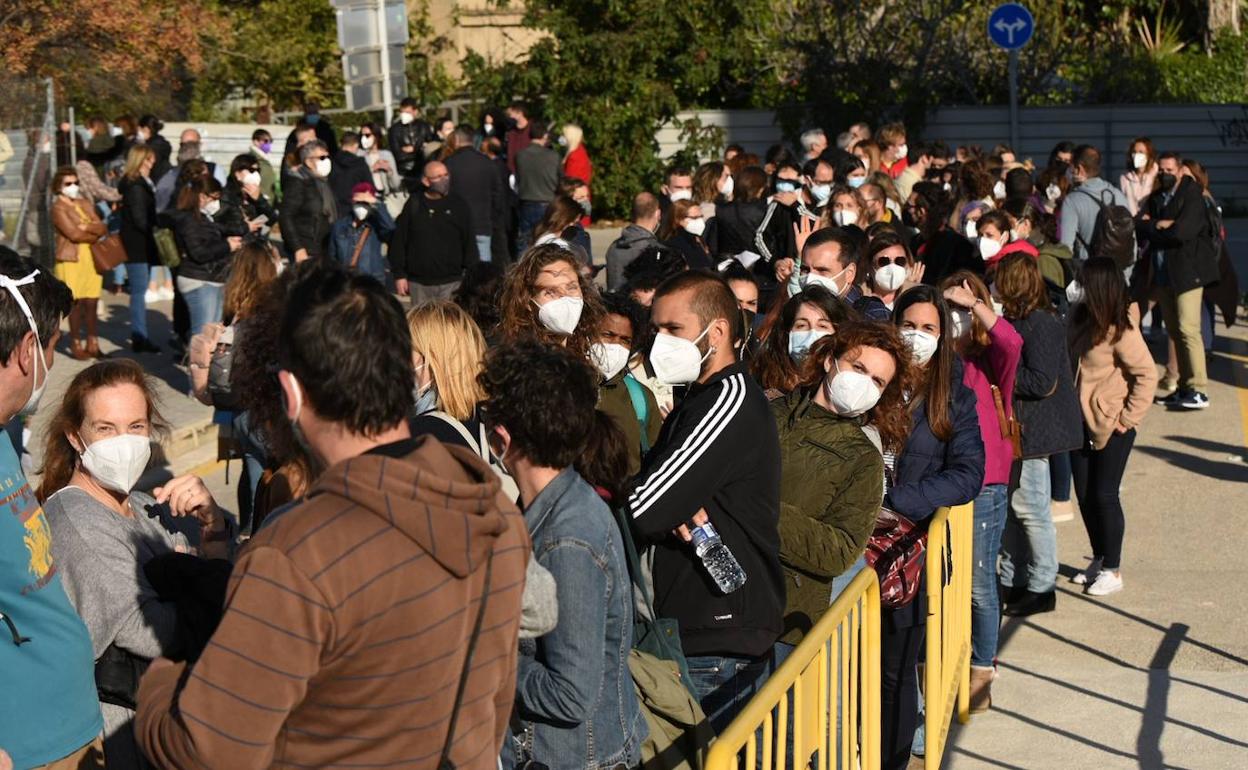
point(138, 223)
point(77, 227)
point(105, 531)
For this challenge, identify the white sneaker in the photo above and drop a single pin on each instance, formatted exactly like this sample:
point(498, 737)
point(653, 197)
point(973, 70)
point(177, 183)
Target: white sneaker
point(1089, 574)
point(1106, 583)
point(151, 295)
point(1061, 510)
point(166, 293)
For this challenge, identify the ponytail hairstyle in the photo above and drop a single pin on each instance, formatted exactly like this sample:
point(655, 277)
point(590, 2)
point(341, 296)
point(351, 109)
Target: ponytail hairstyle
point(933, 383)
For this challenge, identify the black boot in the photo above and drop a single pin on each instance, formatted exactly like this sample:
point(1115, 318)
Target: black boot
point(1010, 594)
point(1032, 604)
point(141, 344)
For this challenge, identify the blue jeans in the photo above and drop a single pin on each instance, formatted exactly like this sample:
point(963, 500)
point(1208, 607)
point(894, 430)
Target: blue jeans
point(990, 513)
point(1059, 476)
point(529, 215)
point(204, 304)
point(137, 273)
point(483, 247)
point(841, 581)
point(1029, 544)
point(724, 685)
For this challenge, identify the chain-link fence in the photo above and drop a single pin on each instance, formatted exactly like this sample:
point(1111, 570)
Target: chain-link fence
point(28, 156)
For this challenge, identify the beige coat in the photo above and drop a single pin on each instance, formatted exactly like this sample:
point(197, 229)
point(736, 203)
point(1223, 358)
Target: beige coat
point(1116, 381)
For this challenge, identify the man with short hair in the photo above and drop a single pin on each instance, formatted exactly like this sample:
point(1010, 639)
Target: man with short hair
point(844, 141)
point(261, 146)
point(374, 622)
point(636, 237)
point(1175, 221)
point(475, 179)
point(537, 168)
point(814, 142)
point(1082, 205)
point(717, 459)
point(48, 699)
point(519, 134)
point(349, 171)
point(308, 206)
point(915, 171)
point(433, 245)
point(891, 140)
point(678, 187)
point(408, 134)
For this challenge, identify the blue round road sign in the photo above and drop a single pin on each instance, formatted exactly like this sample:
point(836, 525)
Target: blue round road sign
point(1011, 26)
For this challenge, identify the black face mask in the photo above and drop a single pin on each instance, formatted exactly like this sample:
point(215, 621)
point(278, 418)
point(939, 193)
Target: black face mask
point(1166, 181)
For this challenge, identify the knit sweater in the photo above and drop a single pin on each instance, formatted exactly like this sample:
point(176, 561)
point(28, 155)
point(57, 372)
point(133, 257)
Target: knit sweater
point(346, 626)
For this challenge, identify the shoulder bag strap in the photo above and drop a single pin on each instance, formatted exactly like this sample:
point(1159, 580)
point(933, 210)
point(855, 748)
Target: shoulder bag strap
point(634, 563)
point(640, 408)
point(445, 762)
point(359, 246)
point(456, 424)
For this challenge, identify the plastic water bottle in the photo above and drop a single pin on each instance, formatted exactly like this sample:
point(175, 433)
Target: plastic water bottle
point(717, 558)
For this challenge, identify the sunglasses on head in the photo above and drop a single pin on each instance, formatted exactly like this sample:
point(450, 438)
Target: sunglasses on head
point(901, 259)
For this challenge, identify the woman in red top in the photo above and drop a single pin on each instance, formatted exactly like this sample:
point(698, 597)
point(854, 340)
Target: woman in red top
point(576, 163)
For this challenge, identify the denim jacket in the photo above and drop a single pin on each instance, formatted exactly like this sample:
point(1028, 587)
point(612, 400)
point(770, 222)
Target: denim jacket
point(574, 692)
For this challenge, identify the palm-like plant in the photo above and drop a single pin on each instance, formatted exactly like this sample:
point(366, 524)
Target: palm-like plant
point(1164, 38)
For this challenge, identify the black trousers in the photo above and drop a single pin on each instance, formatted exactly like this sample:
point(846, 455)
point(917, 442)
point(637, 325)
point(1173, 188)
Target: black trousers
point(1097, 475)
point(899, 694)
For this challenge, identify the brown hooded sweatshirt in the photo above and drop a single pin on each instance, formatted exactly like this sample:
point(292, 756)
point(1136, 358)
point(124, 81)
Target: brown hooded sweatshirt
point(346, 624)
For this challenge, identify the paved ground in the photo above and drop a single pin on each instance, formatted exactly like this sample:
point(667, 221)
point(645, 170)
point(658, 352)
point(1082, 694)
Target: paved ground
point(1156, 676)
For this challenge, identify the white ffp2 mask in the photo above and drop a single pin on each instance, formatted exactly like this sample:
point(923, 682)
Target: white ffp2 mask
point(117, 462)
point(561, 315)
point(676, 360)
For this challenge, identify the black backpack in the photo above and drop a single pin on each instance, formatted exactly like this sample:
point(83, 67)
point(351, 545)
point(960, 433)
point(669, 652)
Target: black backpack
point(1113, 235)
point(220, 386)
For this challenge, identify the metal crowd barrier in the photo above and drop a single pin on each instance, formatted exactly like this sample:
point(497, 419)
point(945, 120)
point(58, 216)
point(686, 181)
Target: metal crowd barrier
point(831, 686)
point(827, 693)
point(947, 671)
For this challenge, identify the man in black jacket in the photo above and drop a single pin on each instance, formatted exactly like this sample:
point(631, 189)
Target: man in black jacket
point(308, 207)
point(348, 171)
point(433, 244)
point(407, 135)
point(475, 180)
point(717, 458)
point(1176, 226)
point(324, 131)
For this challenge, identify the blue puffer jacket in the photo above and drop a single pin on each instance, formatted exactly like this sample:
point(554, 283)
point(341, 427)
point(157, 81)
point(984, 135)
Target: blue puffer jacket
point(574, 692)
point(931, 473)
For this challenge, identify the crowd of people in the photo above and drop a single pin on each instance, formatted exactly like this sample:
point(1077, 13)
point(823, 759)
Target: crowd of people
point(470, 528)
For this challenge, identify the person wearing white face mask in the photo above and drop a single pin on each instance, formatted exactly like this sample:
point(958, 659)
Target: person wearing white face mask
point(381, 162)
point(683, 231)
point(997, 240)
point(245, 211)
point(1140, 178)
point(847, 209)
point(828, 260)
point(356, 238)
point(51, 673)
point(77, 227)
point(990, 349)
point(831, 472)
point(546, 296)
point(308, 206)
point(893, 267)
point(206, 247)
point(731, 483)
point(105, 531)
point(712, 184)
point(629, 404)
point(942, 464)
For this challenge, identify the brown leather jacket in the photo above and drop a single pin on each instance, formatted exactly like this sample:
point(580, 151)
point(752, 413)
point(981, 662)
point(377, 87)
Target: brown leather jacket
point(71, 230)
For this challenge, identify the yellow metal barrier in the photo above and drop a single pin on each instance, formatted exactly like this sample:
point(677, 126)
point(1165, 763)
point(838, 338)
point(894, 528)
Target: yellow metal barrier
point(830, 681)
point(947, 671)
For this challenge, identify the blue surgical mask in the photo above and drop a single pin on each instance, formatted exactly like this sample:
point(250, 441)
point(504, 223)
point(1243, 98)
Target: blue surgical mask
point(786, 186)
point(857, 181)
point(801, 341)
point(426, 400)
point(312, 119)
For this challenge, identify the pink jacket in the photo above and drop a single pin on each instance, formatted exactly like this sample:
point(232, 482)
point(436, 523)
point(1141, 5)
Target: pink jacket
point(995, 365)
point(1137, 187)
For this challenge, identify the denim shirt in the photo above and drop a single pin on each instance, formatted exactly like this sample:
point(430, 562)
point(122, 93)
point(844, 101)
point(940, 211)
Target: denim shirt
point(574, 691)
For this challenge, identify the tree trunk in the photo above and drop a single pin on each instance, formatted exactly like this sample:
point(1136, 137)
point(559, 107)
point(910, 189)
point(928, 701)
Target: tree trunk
point(1221, 14)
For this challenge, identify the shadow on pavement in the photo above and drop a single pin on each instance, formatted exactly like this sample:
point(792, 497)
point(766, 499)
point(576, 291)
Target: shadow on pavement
point(1201, 466)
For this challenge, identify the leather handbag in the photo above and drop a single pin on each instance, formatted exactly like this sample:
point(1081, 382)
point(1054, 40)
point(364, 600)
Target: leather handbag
point(897, 551)
point(108, 253)
point(167, 247)
point(1011, 428)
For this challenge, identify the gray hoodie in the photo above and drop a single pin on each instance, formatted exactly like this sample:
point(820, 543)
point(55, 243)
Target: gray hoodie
point(633, 240)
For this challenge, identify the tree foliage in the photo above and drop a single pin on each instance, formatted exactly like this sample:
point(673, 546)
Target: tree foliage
point(107, 55)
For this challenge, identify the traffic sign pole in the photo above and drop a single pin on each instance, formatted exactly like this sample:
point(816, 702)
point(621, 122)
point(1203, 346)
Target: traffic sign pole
point(387, 98)
point(1014, 133)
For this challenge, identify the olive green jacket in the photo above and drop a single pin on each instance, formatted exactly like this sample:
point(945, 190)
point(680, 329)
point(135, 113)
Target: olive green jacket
point(614, 399)
point(831, 486)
